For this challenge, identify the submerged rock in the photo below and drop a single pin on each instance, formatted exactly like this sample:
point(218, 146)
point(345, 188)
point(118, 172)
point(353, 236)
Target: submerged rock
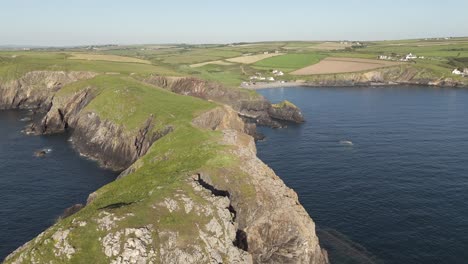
point(40, 153)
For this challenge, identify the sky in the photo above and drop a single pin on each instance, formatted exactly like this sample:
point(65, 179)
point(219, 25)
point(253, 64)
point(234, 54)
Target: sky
point(92, 22)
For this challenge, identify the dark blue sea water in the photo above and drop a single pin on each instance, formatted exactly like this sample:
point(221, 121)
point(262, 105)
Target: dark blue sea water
point(401, 189)
point(35, 191)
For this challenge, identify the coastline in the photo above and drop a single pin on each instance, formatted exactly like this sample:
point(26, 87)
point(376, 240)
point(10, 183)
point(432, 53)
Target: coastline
point(271, 85)
point(228, 202)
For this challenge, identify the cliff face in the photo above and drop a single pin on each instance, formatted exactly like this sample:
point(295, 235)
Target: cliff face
point(36, 89)
point(405, 74)
point(208, 201)
point(255, 108)
point(273, 226)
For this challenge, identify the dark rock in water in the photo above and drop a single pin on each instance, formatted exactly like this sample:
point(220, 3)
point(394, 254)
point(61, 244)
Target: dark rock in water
point(71, 210)
point(40, 153)
point(286, 111)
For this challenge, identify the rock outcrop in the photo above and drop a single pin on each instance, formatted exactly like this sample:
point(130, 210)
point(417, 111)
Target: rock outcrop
point(35, 90)
point(404, 74)
point(253, 108)
point(274, 226)
point(286, 111)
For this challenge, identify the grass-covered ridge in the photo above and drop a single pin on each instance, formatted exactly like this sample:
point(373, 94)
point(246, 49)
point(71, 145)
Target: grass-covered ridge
point(128, 102)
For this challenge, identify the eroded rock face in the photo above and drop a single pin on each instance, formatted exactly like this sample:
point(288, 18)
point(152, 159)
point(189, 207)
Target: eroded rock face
point(404, 74)
point(274, 225)
point(98, 139)
point(286, 111)
point(277, 227)
point(35, 90)
point(253, 108)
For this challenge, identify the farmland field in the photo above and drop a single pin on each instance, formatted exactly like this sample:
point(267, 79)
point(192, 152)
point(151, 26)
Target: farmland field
point(98, 57)
point(343, 65)
point(252, 58)
point(289, 62)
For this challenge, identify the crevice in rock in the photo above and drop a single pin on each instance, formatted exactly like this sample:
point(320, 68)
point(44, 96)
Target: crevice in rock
point(241, 240)
point(241, 236)
point(115, 206)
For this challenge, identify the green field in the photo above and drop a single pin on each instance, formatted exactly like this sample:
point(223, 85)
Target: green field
point(441, 56)
point(289, 62)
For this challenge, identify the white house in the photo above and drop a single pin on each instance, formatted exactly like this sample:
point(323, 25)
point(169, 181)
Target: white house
point(411, 57)
point(457, 72)
point(277, 72)
point(271, 79)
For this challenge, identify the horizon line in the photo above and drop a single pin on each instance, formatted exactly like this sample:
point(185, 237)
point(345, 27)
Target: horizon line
point(216, 43)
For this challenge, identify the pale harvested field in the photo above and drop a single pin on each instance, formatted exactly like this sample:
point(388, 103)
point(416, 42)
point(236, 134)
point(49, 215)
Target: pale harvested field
point(343, 65)
point(218, 62)
point(100, 57)
point(253, 58)
point(330, 46)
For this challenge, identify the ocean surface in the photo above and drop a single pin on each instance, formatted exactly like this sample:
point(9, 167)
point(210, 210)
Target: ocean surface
point(34, 191)
point(385, 167)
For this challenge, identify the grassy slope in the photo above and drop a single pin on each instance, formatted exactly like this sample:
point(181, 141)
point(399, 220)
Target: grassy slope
point(128, 102)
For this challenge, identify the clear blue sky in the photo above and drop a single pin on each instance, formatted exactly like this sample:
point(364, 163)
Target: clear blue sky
point(78, 22)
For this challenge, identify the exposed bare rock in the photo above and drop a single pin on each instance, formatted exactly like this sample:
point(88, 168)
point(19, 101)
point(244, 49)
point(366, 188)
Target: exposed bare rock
point(63, 249)
point(277, 227)
point(35, 90)
point(254, 108)
point(403, 74)
point(286, 111)
point(220, 118)
point(98, 139)
point(137, 246)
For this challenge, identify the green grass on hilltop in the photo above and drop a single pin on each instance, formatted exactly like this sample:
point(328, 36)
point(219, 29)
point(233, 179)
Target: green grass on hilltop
point(13, 65)
point(129, 103)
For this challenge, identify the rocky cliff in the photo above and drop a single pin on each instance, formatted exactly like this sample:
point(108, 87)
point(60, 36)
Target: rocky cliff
point(36, 89)
point(250, 106)
point(195, 192)
point(405, 74)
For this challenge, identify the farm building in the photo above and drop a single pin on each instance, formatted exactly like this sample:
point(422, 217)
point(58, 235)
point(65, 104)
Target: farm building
point(457, 72)
point(278, 72)
point(409, 56)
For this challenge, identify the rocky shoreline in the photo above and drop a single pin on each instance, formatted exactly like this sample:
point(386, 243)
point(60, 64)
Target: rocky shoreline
point(266, 226)
point(402, 75)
